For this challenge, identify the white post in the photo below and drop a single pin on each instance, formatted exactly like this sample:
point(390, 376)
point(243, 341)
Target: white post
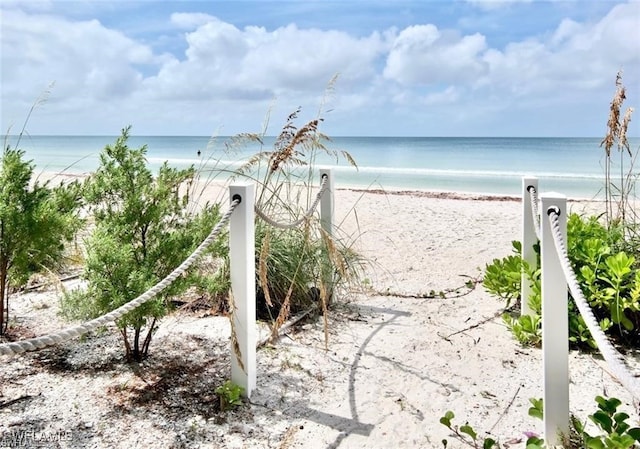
point(326, 204)
point(529, 239)
point(555, 325)
point(242, 267)
point(326, 222)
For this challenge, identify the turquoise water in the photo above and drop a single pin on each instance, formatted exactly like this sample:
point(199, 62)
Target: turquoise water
point(572, 166)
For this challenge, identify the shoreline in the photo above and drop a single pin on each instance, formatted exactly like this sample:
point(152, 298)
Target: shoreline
point(460, 196)
point(399, 191)
point(486, 166)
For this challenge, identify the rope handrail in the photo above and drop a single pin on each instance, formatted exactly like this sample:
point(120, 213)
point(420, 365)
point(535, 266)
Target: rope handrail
point(613, 358)
point(305, 216)
point(533, 193)
point(33, 344)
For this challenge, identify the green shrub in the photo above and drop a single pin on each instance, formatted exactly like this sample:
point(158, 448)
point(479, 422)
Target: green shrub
point(609, 281)
point(616, 433)
point(35, 222)
point(602, 251)
point(144, 229)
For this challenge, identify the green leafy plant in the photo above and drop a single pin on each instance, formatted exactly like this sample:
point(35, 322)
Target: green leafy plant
point(503, 276)
point(144, 228)
point(536, 409)
point(35, 222)
point(527, 329)
point(609, 280)
point(230, 395)
point(467, 435)
point(616, 432)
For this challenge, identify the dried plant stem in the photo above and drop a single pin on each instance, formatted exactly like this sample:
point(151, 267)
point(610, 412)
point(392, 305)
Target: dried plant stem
point(617, 192)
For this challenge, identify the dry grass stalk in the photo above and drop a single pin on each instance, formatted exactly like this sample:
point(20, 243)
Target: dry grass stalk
point(324, 296)
point(335, 256)
point(288, 438)
point(234, 332)
point(283, 315)
point(290, 139)
point(613, 123)
point(624, 126)
point(617, 194)
point(292, 264)
point(262, 269)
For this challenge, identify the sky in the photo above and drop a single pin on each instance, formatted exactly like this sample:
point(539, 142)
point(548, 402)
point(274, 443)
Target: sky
point(366, 67)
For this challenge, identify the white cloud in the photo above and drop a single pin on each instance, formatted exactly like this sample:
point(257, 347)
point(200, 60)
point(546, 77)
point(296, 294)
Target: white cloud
point(85, 59)
point(422, 54)
point(231, 74)
point(38, 6)
point(190, 20)
point(616, 37)
point(253, 62)
point(449, 95)
point(565, 32)
point(574, 59)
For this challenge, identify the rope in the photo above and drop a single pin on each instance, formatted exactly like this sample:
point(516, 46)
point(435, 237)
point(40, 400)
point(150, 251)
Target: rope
point(33, 344)
point(293, 224)
point(613, 358)
point(533, 194)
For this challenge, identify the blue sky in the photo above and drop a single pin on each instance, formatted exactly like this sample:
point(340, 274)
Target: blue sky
point(404, 68)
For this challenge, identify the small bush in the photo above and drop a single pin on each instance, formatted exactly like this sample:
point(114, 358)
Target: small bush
point(144, 229)
point(609, 281)
point(35, 222)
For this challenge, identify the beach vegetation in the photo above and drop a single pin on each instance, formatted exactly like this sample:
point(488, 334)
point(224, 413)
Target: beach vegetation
point(612, 425)
point(619, 167)
point(502, 277)
point(230, 395)
point(607, 277)
point(144, 227)
point(603, 250)
point(298, 267)
point(36, 220)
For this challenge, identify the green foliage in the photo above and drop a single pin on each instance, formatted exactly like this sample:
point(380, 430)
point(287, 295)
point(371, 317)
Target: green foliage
point(230, 395)
point(144, 229)
point(616, 432)
point(527, 329)
point(288, 261)
point(536, 409)
point(609, 280)
point(35, 222)
point(466, 434)
point(503, 277)
point(602, 251)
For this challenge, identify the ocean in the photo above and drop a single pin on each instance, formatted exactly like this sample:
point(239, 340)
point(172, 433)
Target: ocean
point(482, 165)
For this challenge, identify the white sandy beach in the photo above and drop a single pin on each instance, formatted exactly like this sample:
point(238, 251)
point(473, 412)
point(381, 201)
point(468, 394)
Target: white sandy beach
point(396, 362)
